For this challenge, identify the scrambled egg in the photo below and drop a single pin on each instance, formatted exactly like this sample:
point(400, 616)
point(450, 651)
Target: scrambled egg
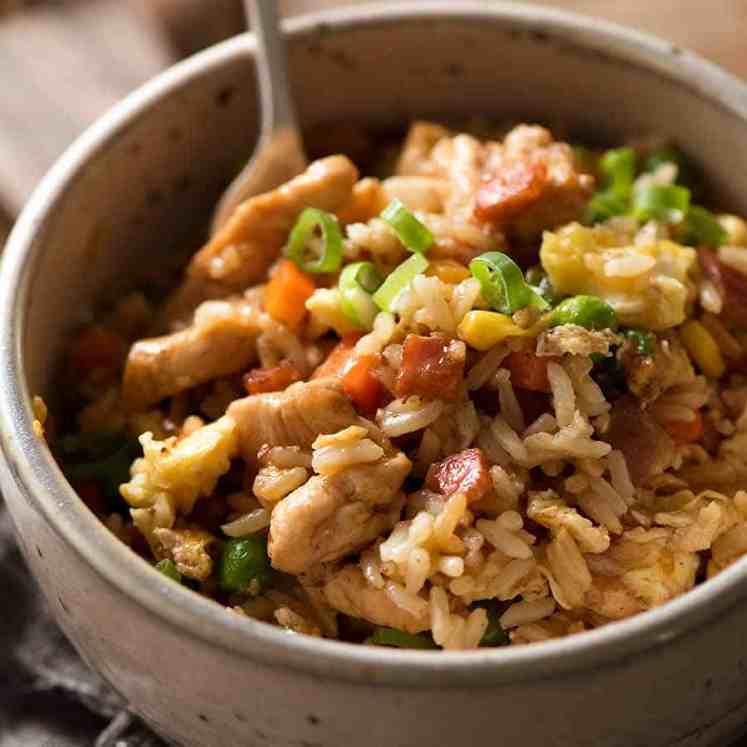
point(646, 284)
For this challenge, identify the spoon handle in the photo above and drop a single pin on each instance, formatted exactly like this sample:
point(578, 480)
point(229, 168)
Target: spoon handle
point(277, 107)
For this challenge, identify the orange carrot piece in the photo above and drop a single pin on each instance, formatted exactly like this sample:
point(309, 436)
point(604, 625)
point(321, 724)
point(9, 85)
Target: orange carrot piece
point(685, 433)
point(262, 380)
point(97, 348)
point(339, 359)
point(528, 371)
point(362, 385)
point(286, 294)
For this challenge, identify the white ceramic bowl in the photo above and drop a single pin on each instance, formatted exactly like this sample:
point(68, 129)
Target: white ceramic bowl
point(141, 183)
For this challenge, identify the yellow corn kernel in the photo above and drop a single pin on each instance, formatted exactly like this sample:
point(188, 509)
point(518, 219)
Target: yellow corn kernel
point(703, 348)
point(448, 271)
point(484, 329)
point(736, 229)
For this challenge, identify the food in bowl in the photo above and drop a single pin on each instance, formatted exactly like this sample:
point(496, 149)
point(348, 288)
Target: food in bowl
point(493, 398)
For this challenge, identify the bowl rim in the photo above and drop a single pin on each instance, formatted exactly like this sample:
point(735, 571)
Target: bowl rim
point(36, 477)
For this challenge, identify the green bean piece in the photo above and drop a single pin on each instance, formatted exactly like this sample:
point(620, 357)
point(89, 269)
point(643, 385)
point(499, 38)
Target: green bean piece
point(244, 565)
point(590, 312)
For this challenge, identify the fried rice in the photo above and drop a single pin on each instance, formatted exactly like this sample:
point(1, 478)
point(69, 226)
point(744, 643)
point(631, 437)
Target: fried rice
point(494, 397)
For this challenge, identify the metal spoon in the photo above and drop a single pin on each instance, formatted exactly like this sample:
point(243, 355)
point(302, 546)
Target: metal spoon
point(279, 155)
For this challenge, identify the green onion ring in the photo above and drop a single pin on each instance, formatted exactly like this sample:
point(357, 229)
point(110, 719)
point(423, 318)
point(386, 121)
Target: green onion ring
point(357, 282)
point(502, 283)
point(665, 202)
point(397, 280)
point(331, 256)
point(411, 232)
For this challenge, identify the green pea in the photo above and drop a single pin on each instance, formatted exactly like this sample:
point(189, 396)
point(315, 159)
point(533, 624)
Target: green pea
point(641, 341)
point(585, 311)
point(168, 568)
point(494, 634)
point(243, 561)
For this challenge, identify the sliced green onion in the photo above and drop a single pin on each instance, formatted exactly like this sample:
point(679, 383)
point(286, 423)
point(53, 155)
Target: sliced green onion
point(702, 228)
point(494, 634)
point(169, 569)
point(399, 639)
point(604, 205)
point(298, 249)
point(642, 341)
point(618, 168)
point(663, 202)
point(399, 279)
point(590, 312)
point(411, 232)
point(357, 282)
point(502, 283)
point(540, 282)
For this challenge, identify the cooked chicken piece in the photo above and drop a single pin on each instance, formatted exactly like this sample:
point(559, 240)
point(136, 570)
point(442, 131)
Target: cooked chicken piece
point(647, 447)
point(426, 194)
point(220, 341)
point(241, 253)
point(367, 200)
point(531, 184)
point(349, 592)
point(334, 515)
point(294, 417)
point(415, 157)
point(570, 338)
point(189, 549)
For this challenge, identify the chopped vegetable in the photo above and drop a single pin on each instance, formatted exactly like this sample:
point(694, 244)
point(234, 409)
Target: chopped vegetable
point(590, 312)
point(411, 232)
point(399, 639)
point(357, 282)
point(663, 202)
point(431, 367)
point(298, 250)
point(503, 285)
point(539, 280)
point(262, 380)
point(685, 432)
point(340, 359)
point(642, 342)
point(528, 371)
point(168, 568)
point(603, 206)
point(618, 168)
point(516, 186)
point(702, 228)
point(398, 280)
point(671, 154)
point(466, 472)
point(362, 385)
point(494, 634)
point(484, 329)
point(286, 294)
point(244, 565)
point(703, 349)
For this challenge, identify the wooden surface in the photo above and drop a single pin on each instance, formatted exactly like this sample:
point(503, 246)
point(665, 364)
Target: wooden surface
point(63, 63)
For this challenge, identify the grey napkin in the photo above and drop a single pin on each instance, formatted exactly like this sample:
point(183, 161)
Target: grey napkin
point(48, 696)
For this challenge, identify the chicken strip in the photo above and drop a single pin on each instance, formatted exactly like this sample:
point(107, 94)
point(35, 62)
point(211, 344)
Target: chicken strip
point(294, 417)
point(334, 515)
point(220, 341)
point(241, 253)
point(349, 592)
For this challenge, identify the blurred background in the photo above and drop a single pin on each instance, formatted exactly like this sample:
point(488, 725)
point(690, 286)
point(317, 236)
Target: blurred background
point(63, 62)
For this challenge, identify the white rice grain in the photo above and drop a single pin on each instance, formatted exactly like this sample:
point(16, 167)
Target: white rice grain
point(250, 523)
point(524, 612)
point(408, 415)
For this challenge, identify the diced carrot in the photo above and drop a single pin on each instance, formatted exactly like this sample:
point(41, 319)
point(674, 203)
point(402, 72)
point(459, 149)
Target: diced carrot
point(431, 367)
point(90, 493)
point(528, 371)
point(261, 380)
point(515, 187)
point(286, 294)
point(362, 385)
point(97, 348)
point(467, 472)
point(685, 433)
point(339, 359)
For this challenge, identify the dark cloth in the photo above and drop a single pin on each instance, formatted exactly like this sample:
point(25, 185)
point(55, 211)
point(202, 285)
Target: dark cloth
point(48, 696)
